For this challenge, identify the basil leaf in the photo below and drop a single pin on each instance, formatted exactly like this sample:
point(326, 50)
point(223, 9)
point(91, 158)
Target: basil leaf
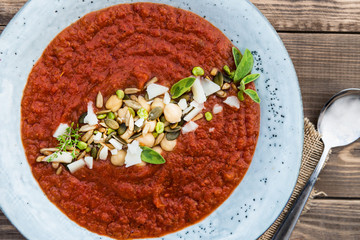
point(253, 95)
point(245, 66)
point(151, 156)
point(237, 56)
point(250, 78)
point(181, 87)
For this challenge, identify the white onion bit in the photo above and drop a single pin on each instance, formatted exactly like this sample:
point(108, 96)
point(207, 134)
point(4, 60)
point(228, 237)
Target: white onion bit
point(116, 144)
point(89, 161)
point(232, 101)
point(154, 90)
point(133, 155)
point(209, 86)
point(182, 104)
point(74, 166)
point(167, 98)
point(60, 157)
point(217, 109)
point(198, 92)
point(104, 153)
point(193, 113)
point(189, 127)
point(91, 117)
point(61, 129)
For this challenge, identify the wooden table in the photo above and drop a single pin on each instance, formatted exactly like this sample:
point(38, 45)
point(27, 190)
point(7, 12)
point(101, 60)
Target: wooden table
point(323, 39)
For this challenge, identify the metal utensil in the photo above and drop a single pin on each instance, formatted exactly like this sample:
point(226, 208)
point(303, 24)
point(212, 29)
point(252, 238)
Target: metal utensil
point(337, 127)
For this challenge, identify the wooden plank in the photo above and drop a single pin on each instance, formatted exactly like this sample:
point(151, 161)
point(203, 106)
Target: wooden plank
point(8, 8)
point(325, 64)
point(312, 15)
point(7, 230)
point(330, 220)
point(341, 175)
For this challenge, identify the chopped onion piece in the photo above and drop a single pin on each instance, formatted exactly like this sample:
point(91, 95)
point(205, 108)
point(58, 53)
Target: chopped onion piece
point(114, 151)
point(154, 90)
point(104, 153)
point(186, 110)
point(194, 104)
point(133, 155)
point(139, 122)
point(182, 104)
point(209, 86)
point(60, 157)
point(192, 114)
point(89, 161)
point(97, 136)
point(211, 129)
point(167, 98)
point(198, 92)
point(116, 144)
point(91, 117)
point(74, 166)
point(232, 101)
point(189, 127)
point(217, 109)
point(61, 129)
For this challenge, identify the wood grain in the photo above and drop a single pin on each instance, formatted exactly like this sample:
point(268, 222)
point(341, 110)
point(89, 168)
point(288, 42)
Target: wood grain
point(7, 230)
point(8, 8)
point(325, 64)
point(330, 219)
point(312, 15)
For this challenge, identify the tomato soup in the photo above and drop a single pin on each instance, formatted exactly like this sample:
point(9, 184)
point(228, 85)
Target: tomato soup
point(125, 46)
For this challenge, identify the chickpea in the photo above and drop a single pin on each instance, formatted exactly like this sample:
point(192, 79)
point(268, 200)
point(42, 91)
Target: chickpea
point(172, 113)
point(168, 145)
point(152, 125)
point(148, 140)
point(119, 158)
point(113, 103)
point(157, 149)
point(158, 102)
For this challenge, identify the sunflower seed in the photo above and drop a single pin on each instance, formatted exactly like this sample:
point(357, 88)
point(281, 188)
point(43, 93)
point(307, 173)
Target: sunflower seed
point(153, 80)
point(99, 100)
point(87, 136)
point(197, 117)
point(103, 112)
point(131, 90)
point(159, 139)
point(40, 158)
point(48, 150)
point(59, 170)
point(87, 128)
point(221, 94)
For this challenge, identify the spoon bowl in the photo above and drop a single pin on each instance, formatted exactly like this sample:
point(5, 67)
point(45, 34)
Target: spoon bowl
point(339, 125)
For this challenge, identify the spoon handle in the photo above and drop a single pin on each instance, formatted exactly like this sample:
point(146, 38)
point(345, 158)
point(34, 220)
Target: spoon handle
point(287, 226)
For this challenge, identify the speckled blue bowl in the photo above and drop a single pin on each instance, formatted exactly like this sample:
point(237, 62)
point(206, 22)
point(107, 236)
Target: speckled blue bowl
point(267, 186)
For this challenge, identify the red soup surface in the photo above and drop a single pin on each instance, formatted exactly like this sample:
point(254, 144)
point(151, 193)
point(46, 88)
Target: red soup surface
point(125, 46)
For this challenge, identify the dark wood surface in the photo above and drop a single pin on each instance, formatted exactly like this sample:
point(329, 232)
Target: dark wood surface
point(323, 40)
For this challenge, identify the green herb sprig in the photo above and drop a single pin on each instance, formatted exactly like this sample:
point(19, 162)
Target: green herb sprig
point(69, 139)
point(242, 75)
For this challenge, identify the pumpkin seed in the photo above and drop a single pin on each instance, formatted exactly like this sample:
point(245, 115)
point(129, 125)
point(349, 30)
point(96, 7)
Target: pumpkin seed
point(132, 104)
point(82, 118)
point(40, 158)
point(155, 113)
point(87, 128)
point(122, 129)
point(172, 135)
point(214, 71)
point(131, 90)
point(120, 140)
point(181, 123)
point(187, 97)
point(227, 80)
point(46, 150)
point(112, 124)
point(103, 112)
point(226, 86)
point(181, 87)
point(159, 139)
point(107, 139)
point(176, 129)
point(94, 152)
point(173, 125)
point(135, 135)
point(162, 119)
point(87, 136)
point(126, 97)
point(153, 80)
point(99, 100)
point(221, 94)
point(59, 170)
point(219, 78)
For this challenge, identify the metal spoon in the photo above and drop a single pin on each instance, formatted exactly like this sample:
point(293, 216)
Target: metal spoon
point(338, 127)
